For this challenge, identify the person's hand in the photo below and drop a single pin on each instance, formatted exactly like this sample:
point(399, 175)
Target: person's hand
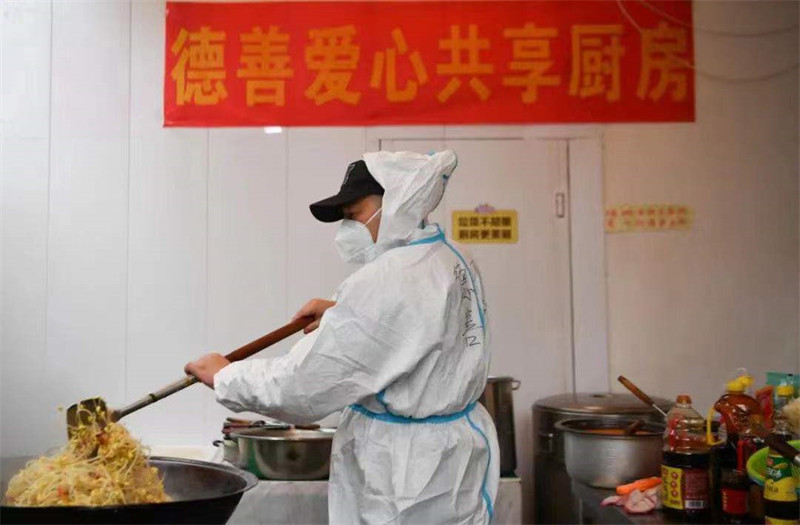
point(206, 368)
point(313, 308)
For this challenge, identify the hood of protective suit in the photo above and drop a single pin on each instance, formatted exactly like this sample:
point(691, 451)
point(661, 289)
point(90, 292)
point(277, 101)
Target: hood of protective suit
point(414, 185)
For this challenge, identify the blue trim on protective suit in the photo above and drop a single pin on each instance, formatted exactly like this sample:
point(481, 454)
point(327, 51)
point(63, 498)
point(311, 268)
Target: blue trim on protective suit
point(484, 492)
point(380, 399)
point(388, 417)
point(441, 237)
point(429, 240)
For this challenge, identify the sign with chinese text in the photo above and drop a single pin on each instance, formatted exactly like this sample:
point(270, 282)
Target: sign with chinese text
point(485, 225)
point(457, 62)
point(648, 217)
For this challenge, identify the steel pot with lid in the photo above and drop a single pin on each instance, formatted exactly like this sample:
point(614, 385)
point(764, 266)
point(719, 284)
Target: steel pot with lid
point(553, 492)
point(550, 410)
point(498, 399)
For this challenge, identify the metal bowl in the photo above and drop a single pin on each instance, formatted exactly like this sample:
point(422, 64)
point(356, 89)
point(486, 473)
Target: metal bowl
point(607, 461)
point(292, 455)
point(201, 492)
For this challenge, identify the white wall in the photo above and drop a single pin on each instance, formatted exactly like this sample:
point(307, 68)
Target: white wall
point(687, 309)
point(129, 249)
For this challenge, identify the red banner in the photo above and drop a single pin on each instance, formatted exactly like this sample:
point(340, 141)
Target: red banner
point(454, 62)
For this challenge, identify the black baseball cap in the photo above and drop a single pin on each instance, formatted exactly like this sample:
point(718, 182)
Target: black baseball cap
point(358, 183)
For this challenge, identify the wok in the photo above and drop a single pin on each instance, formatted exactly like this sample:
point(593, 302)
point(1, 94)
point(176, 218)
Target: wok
point(202, 492)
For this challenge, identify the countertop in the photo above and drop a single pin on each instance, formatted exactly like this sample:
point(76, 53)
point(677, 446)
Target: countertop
point(592, 511)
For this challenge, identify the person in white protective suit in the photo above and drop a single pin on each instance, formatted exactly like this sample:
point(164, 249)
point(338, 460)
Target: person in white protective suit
point(402, 350)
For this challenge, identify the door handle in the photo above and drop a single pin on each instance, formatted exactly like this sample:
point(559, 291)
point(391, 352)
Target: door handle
point(561, 205)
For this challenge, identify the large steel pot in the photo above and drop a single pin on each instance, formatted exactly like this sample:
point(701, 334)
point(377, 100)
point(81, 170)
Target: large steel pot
point(498, 398)
point(201, 492)
point(294, 454)
point(554, 501)
point(598, 454)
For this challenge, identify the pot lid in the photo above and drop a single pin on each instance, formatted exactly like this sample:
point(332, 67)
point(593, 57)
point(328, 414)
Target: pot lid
point(599, 403)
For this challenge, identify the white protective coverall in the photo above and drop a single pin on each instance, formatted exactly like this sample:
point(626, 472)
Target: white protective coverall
point(404, 353)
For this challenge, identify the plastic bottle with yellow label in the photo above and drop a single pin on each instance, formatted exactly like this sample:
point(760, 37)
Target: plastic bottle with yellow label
point(781, 506)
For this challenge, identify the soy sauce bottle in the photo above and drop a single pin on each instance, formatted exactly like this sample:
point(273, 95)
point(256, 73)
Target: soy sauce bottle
point(735, 492)
point(685, 463)
point(781, 506)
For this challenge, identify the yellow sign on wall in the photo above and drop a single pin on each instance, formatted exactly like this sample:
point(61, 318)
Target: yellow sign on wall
point(485, 225)
point(648, 217)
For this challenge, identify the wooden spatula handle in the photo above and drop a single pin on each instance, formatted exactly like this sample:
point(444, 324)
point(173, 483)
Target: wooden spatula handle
point(635, 391)
point(641, 395)
point(270, 339)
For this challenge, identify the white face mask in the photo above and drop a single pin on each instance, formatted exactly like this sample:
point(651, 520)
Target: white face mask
point(354, 241)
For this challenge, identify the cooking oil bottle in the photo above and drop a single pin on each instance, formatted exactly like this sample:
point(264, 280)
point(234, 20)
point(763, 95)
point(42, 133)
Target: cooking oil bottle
point(737, 408)
point(781, 506)
point(685, 463)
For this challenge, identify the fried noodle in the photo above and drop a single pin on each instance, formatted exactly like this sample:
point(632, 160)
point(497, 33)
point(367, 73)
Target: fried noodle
point(101, 464)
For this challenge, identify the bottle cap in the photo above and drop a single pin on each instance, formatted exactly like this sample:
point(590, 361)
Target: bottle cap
point(683, 399)
point(735, 385)
point(784, 390)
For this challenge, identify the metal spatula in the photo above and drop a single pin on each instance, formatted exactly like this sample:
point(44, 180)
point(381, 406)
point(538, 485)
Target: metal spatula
point(97, 405)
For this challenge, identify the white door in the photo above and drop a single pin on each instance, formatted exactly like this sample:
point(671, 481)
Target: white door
point(528, 283)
